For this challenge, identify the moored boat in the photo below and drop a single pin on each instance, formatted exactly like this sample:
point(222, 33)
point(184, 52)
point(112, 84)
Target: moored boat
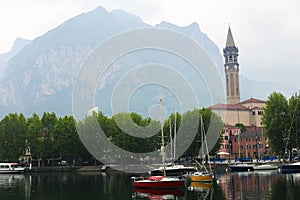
point(291, 167)
point(202, 176)
point(265, 167)
point(11, 168)
point(241, 167)
point(198, 186)
point(174, 170)
point(161, 182)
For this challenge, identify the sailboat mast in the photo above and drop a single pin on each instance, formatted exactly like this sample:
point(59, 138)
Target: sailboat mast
point(162, 138)
point(175, 119)
point(204, 143)
point(171, 139)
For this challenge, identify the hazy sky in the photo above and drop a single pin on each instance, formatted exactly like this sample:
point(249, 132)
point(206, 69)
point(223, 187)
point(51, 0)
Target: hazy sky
point(267, 32)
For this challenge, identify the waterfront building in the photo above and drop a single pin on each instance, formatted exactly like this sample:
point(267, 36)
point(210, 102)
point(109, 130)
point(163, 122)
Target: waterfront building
point(248, 112)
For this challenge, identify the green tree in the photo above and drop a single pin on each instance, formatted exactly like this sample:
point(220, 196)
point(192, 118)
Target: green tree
point(276, 121)
point(210, 120)
point(49, 121)
point(67, 141)
point(241, 126)
point(35, 138)
point(12, 137)
point(132, 132)
point(294, 125)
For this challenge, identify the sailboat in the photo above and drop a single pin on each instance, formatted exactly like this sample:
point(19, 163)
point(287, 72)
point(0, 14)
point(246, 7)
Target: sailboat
point(161, 182)
point(203, 174)
point(173, 169)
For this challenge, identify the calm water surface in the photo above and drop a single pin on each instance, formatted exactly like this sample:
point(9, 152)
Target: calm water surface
point(71, 186)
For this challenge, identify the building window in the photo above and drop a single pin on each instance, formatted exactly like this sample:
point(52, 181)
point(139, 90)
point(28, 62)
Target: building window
point(260, 112)
point(241, 147)
point(253, 112)
point(248, 139)
point(226, 137)
point(254, 146)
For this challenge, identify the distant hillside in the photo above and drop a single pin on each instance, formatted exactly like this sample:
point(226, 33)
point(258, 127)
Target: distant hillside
point(39, 75)
point(4, 58)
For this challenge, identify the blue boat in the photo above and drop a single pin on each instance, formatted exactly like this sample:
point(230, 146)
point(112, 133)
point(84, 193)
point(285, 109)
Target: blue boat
point(291, 168)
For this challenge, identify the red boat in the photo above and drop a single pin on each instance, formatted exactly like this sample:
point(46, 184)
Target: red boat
point(161, 182)
point(155, 191)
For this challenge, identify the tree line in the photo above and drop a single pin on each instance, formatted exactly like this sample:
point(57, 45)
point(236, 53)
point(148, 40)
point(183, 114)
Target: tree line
point(51, 138)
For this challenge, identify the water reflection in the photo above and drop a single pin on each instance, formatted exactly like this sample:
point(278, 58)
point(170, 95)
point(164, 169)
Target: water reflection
point(140, 193)
point(286, 187)
point(115, 186)
point(10, 183)
point(243, 185)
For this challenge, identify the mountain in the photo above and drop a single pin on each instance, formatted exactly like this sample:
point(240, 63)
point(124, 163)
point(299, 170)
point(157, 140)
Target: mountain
point(39, 75)
point(17, 46)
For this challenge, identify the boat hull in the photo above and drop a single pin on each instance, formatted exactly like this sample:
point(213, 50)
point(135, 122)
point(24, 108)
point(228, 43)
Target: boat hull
point(241, 168)
point(291, 168)
point(201, 178)
point(201, 185)
point(265, 167)
point(12, 171)
point(159, 184)
point(11, 168)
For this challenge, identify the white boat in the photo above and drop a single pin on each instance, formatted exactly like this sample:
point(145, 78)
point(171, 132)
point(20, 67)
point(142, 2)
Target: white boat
point(241, 167)
point(11, 168)
point(265, 167)
point(173, 170)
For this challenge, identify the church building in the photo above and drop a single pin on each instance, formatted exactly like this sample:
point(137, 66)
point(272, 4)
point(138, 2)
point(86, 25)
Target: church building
point(251, 143)
point(248, 112)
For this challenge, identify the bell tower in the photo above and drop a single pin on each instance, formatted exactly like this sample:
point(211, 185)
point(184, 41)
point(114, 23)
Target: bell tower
point(231, 65)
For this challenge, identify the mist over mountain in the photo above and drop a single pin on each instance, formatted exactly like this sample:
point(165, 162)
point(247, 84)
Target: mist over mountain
point(19, 44)
point(39, 75)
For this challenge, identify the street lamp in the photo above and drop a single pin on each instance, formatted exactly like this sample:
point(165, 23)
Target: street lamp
point(246, 150)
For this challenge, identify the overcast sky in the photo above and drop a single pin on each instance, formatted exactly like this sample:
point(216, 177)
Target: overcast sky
point(267, 32)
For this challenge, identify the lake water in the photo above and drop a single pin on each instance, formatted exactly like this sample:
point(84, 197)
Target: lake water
point(110, 186)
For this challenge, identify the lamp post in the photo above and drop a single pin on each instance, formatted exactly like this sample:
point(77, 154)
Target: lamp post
point(246, 150)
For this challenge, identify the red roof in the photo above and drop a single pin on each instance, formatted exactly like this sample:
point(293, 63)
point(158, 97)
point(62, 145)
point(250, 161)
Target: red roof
point(228, 107)
point(252, 100)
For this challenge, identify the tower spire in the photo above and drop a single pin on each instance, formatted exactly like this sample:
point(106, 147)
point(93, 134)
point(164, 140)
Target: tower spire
point(231, 65)
point(229, 41)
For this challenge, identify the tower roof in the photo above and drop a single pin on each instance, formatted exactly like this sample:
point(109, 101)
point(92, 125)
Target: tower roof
point(229, 41)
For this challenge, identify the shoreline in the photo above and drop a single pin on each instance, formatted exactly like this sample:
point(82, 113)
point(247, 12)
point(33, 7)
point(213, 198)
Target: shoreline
point(216, 167)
